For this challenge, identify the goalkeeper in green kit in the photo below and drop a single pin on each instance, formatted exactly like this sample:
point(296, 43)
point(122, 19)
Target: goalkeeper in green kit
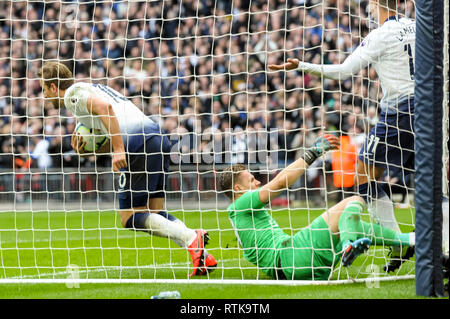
point(313, 252)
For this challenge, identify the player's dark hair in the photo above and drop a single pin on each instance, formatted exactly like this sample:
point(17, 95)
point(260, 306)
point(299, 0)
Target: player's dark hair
point(57, 73)
point(228, 177)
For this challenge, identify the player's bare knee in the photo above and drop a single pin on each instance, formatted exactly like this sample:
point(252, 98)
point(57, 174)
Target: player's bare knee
point(124, 219)
point(355, 198)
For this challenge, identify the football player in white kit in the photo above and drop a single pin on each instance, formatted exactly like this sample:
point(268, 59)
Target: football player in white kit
point(140, 153)
point(389, 49)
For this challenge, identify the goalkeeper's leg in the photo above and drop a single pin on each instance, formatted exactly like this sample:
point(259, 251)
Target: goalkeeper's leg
point(345, 218)
point(356, 235)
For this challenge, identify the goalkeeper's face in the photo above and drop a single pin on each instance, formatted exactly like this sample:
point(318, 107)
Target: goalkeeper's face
point(246, 181)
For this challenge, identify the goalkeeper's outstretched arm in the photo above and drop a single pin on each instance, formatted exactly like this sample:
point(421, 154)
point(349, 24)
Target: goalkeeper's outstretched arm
point(292, 173)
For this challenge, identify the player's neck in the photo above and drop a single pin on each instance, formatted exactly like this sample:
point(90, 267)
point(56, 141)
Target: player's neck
point(61, 97)
point(236, 196)
point(384, 15)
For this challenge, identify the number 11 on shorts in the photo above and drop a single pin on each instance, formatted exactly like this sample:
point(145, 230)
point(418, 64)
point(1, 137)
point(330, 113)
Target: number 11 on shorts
point(372, 144)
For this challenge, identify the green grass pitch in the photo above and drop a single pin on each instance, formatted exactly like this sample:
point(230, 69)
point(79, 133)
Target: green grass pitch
point(43, 244)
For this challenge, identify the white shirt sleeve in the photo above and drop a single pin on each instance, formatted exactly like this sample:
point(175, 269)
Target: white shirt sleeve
point(367, 52)
point(76, 99)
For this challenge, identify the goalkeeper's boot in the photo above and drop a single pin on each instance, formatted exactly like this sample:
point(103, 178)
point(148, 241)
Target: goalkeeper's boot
point(354, 249)
point(396, 261)
point(209, 264)
point(197, 251)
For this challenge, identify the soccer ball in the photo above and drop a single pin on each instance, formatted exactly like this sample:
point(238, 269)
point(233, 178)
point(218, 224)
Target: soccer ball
point(93, 138)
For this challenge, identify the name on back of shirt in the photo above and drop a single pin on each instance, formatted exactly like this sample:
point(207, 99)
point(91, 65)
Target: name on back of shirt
point(405, 32)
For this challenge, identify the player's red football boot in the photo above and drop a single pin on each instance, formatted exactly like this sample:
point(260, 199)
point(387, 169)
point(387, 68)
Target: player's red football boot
point(209, 265)
point(196, 249)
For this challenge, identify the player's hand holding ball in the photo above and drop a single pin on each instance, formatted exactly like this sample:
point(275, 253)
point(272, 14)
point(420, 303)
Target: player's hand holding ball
point(78, 143)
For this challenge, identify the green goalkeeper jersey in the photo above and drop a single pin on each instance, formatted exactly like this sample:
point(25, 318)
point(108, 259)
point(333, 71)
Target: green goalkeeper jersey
point(258, 233)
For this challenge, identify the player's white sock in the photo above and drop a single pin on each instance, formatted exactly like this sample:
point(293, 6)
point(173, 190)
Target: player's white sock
point(158, 225)
point(382, 211)
point(379, 205)
point(445, 232)
point(176, 231)
point(412, 239)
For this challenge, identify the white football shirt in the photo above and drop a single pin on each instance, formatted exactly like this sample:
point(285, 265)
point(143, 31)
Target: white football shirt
point(132, 121)
point(389, 49)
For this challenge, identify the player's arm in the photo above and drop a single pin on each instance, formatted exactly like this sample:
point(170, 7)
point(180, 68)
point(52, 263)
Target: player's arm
point(366, 53)
point(103, 109)
point(292, 173)
point(351, 66)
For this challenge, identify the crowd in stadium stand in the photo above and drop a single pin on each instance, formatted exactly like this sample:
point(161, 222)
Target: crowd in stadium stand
point(198, 67)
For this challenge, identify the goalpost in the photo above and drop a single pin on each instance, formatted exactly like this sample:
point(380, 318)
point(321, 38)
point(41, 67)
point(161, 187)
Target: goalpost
point(431, 144)
point(199, 68)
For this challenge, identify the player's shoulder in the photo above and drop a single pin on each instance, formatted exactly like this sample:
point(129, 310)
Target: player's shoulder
point(77, 88)
point(404, 20)
point(389, 31)
point(76, 92)
point(397, 29)
point(373, 37)
point(395, 23)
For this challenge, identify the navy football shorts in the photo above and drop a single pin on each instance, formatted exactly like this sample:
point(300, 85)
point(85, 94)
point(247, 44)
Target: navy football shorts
point(146, 174)
point(390, 143)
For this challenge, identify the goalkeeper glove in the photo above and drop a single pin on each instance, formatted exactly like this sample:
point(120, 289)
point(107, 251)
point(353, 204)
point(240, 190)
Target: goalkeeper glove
point(321, 146)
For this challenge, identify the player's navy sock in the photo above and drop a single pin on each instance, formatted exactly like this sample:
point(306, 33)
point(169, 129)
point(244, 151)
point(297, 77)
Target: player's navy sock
point(137, 221)
point(167, 215)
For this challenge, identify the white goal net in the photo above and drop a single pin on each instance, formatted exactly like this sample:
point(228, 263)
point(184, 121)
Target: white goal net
point(199, 69)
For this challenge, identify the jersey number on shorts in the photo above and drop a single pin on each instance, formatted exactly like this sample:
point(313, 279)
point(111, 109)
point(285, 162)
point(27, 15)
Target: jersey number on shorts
point(372, 144)
point(122, 180)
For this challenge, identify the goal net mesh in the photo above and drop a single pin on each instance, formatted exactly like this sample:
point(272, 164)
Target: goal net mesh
point(199, 69)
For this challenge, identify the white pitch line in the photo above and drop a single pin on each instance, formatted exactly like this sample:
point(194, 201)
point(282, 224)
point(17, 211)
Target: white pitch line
point(109, 268)
point(46, 240)
point(263, 282)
